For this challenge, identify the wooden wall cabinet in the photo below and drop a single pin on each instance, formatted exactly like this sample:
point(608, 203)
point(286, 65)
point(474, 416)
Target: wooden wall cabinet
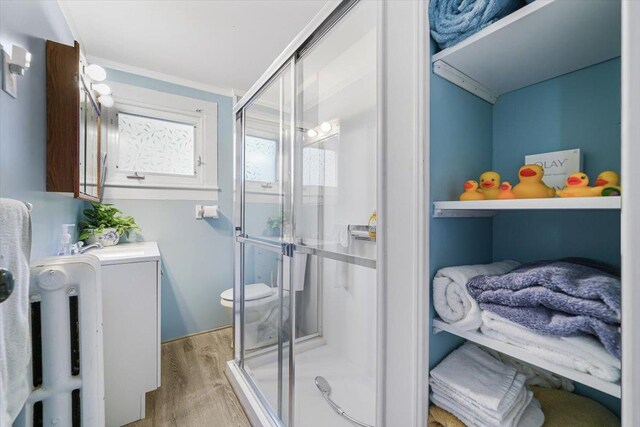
point(73, 126)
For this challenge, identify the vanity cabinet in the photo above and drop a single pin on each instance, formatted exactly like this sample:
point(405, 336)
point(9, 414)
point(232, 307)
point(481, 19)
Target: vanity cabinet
point(73, 126)
point(131, 325)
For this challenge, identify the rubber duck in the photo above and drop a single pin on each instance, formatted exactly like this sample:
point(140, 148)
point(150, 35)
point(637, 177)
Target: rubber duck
point(607, 184)
point(471, 192)
point(506, 191)
point(531, 185)
point(577, 185)
point(490, 184)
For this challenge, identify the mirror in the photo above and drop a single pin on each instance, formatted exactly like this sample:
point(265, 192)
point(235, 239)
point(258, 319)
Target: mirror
point(89, 145)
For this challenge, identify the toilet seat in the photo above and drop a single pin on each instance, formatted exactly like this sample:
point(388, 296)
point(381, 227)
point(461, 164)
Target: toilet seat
point(251, 292)
point(254, 294)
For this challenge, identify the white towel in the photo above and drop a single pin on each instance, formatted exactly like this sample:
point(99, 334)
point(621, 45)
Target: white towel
point(583, 354)
point(535, 376)
point(15, 337)
point(526, 412)
point(474, 374)
point(451, 300)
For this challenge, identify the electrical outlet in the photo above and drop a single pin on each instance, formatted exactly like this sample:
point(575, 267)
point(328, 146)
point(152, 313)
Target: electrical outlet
point(9, 80)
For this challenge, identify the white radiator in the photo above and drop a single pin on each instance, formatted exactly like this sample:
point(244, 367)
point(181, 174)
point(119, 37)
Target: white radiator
point(66, 325)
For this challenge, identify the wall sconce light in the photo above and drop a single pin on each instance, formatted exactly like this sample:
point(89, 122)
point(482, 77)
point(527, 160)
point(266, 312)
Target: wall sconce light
point(106, 101)
point(95, 72)
point(14, 66)
point(101, 88)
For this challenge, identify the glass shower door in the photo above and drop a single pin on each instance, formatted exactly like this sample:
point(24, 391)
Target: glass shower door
point(306, 188)
point(264, 280)
point(335, 182)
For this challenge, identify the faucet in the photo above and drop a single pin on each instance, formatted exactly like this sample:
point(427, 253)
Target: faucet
point(82, 249)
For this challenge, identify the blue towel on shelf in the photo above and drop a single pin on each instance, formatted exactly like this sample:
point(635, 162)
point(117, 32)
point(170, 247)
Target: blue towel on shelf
point(557, 298)
point(452, 21)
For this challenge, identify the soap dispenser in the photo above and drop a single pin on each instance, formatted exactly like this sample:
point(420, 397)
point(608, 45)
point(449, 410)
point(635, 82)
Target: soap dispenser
point(64, 241)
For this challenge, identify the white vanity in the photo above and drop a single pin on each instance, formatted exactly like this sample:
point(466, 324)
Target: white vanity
point(131, 320)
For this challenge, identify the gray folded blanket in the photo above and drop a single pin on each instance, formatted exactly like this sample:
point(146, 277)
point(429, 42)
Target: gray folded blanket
point(555, 298)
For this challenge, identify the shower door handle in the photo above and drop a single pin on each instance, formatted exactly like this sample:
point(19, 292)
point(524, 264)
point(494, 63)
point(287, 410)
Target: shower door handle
point(6, 284)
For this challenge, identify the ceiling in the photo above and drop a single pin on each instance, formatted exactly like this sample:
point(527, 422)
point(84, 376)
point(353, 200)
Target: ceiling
point(217, 43)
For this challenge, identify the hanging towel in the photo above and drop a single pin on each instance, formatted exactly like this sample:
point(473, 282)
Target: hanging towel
point(438, 417)
point(15, 338)
point(583, 354)
point(563, 409)
point(452, 21)
point(450, 298)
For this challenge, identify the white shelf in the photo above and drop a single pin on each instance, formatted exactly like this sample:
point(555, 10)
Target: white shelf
point(540, 41)
point(612, 389)
point(484, 208)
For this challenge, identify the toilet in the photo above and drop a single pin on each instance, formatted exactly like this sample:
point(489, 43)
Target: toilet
point(261, 307)
point(260, 313)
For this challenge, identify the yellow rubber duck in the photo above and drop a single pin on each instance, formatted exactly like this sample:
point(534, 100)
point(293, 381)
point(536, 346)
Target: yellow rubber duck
point(607, 184)
point(531, 185)
point(490, 184)
point(471, 192)
point(506, 191)
point(577, 185)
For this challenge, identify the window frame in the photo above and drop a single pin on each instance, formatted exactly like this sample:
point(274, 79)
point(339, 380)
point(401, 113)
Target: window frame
point(264, 127)
point(203, 115)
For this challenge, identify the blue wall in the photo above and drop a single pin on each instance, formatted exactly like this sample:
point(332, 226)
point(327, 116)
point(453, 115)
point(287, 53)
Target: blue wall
point(461, 149)
point(23, 122)
point(197, 255)
point(576, 110)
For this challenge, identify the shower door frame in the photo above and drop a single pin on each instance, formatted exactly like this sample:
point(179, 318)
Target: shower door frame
point(402, 235)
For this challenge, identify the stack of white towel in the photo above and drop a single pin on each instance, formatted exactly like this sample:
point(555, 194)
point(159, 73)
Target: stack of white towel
point(482, 391)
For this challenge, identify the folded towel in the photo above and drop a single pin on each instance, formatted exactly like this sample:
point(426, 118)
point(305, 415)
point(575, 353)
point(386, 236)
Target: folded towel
point(438, 417)
point(558, 285)
point(563, 409)
point(468, 407)
point(584, 354)
point(536, 376)
point(473, 417)
point(555, 298)
point(15, 339)
point(450, 298)
point(452, 21)
point(472, 373)
point(480, 390)
point(553, 323)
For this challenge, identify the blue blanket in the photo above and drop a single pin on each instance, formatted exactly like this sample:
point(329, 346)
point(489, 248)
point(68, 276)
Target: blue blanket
point(452, 21)
point(555, 298)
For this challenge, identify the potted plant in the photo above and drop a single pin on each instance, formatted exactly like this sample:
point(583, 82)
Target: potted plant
point(105, 224)
point(274, 226)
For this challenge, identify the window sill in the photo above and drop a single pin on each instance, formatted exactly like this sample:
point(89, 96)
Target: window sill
point(160, 192)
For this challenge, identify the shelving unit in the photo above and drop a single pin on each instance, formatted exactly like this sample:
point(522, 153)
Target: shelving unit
point(543, 40)
point(612, 389)
point(487, 208)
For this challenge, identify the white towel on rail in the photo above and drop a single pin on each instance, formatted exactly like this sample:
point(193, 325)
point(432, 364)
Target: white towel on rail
point(450, 298)
point(583, 354)
point(15, 336)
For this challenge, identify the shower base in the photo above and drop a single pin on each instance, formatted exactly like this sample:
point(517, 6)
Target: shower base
point(352, 388)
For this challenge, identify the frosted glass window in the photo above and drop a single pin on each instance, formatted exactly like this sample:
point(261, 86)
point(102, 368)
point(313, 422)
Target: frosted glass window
point(155, 145)
point(319, 167)
point(261, 159)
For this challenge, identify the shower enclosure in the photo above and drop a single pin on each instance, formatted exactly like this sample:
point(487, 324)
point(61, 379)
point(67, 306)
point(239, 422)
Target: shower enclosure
point(309, 318)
